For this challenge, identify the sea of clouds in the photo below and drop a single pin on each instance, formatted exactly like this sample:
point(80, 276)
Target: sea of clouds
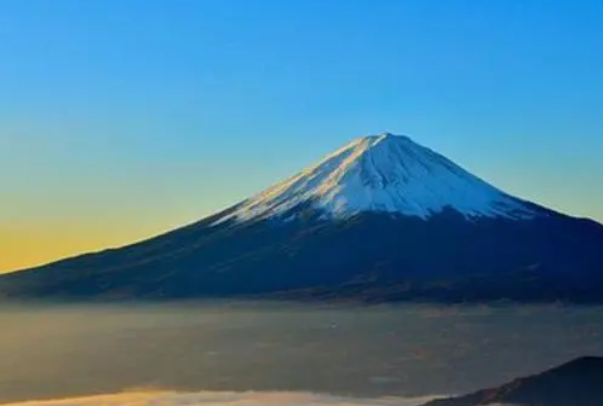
point(209, 398)
point(249, 354)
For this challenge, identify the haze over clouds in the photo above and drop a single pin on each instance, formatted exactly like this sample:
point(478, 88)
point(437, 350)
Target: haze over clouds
point(374, 352)
point(223, 399)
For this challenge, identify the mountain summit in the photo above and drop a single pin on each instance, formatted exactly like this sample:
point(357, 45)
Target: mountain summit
point(380, 219)
point(384, 173)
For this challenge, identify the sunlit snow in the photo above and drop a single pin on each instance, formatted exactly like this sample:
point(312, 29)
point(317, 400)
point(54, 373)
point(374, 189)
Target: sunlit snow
point(384, 173)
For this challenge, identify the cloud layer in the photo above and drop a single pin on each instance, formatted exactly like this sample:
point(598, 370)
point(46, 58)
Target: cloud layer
point(222, 399)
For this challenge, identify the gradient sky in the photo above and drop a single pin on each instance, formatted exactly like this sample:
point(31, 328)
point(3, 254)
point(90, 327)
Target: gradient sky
point(120, 119)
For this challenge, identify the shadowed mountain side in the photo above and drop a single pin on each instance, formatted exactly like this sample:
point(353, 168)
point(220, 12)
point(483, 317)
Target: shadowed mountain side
point(373, 257)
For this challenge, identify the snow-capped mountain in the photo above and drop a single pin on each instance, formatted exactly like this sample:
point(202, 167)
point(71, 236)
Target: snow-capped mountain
point(380, 219)
point(384, 173)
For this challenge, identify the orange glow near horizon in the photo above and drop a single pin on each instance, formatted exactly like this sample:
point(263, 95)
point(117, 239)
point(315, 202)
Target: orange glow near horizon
point(26, 246)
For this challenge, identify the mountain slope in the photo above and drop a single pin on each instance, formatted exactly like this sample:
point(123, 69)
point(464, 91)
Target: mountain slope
point(577, 383)
point(380, 219)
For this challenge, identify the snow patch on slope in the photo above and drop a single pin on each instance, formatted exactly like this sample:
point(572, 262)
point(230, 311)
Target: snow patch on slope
point(384, 173)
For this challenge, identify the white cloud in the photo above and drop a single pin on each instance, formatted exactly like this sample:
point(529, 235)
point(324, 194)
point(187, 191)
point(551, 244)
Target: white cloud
point(222, 399)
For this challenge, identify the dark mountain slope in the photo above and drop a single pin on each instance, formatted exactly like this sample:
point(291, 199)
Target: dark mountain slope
point(370, 256)
point(577, 383)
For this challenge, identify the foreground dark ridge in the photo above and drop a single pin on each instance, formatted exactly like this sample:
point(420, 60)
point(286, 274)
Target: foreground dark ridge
point(382, 219)
point(577, 383)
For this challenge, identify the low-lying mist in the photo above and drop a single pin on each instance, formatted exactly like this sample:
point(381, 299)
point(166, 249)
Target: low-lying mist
point(409, 351)
point(226, 399)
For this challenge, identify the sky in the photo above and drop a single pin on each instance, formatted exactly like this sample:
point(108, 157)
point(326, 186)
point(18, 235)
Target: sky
point(121, 119)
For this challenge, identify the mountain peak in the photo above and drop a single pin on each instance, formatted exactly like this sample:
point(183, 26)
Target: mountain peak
point(375, 139)
point(388, 136)
point(383, 173)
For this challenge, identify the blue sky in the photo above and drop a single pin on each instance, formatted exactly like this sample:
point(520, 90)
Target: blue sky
point(123, 118)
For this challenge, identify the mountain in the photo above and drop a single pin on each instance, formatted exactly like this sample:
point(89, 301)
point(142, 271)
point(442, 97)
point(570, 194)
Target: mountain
point(381, 219)
point(577, 383)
